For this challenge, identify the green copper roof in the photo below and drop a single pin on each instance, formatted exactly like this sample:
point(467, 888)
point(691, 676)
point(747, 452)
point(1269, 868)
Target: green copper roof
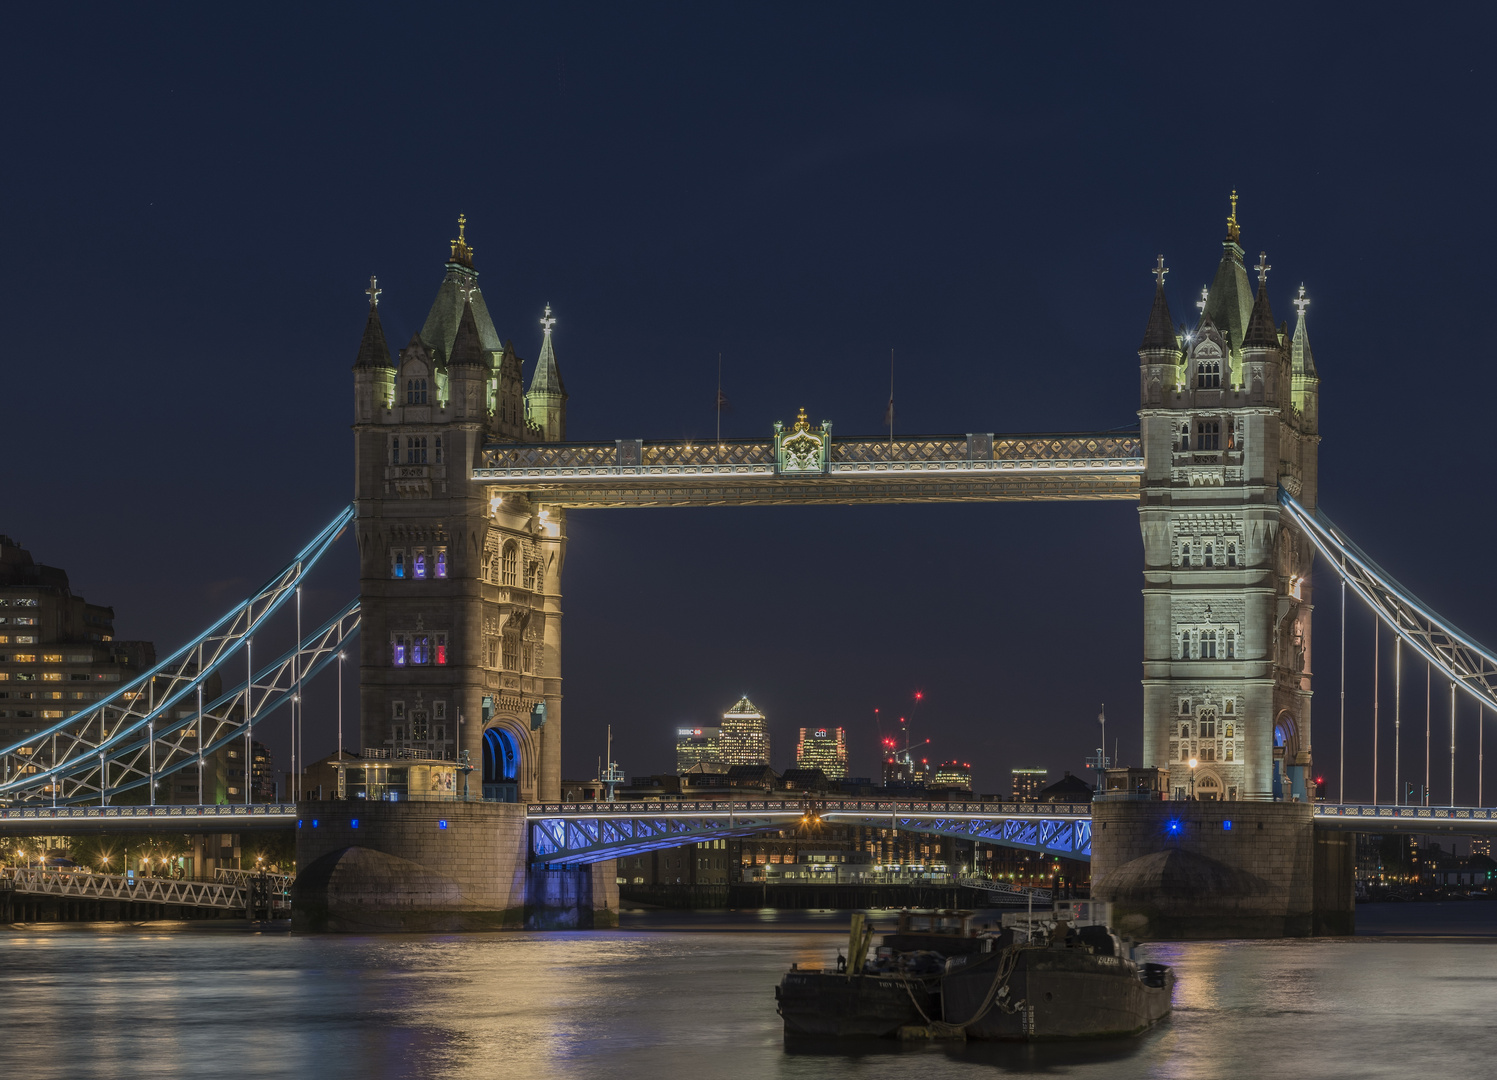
point(467, 347)
point(1260, 331)
point(1160, 331)
point(547, 377)
point(446, 312)
point(1229, 304)
point(1303, 360)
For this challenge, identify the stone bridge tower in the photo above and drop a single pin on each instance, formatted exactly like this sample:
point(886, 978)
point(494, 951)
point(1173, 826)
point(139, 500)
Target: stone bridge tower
point(1229, 413)
point(461, 593)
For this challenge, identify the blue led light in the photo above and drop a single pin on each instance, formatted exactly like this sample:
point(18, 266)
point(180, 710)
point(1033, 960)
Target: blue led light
point(314, 823)
point(442, 824)
point(354, 823)
point(1227, 825)
point(1174, 827)
point(298, 823)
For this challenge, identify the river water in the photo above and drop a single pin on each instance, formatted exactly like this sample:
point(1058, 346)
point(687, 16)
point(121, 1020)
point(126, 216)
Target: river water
point(677, 995)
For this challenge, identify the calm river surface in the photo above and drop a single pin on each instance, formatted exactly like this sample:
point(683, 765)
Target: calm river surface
point(674, 995)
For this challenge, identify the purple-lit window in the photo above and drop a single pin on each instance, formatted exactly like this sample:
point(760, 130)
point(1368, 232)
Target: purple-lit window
point(420, 562)
point(398, 647)
point(420, 649)
point(441, 648)
point(441, 562)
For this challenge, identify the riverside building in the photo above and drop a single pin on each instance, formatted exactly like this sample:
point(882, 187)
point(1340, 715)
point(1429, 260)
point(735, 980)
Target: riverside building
point(744, 736)
point(824, 749)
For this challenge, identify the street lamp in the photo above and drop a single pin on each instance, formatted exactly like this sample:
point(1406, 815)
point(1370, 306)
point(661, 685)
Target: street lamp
point(1192, 778)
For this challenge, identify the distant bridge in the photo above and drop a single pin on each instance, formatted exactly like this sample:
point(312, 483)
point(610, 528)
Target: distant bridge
point(573, 834)
point(229, 893)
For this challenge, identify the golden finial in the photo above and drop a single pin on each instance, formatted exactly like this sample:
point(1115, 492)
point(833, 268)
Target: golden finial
point(1232, 229)
point(461, 252)
point(462, 222)
point(801, 423)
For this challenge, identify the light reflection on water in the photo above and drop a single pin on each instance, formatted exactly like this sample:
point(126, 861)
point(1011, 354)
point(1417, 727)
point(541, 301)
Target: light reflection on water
point(674, 995)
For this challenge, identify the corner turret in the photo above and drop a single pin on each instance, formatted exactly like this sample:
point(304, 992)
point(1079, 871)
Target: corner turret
point(546, 400)
point(1159, 353)
point(374, 371)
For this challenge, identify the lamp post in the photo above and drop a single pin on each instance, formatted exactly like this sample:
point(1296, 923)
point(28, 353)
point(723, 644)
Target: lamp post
point(1192, 778)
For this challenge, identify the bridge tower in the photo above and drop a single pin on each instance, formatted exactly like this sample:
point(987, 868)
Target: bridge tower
point(461, 593)
point(1229, 412)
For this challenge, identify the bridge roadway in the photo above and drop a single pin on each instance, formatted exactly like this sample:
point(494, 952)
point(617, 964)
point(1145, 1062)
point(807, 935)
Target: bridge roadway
point(77, 820)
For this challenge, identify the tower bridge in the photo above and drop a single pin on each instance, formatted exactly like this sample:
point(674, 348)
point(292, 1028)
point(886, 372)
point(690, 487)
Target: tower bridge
point(464, 480)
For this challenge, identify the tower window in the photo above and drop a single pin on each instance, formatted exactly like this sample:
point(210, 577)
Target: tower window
point(397, 710)
point(398, 650)
point(420, 649)
point(1184, 436)
point(441, 562)
point(1230, 755)
point(419, 563)
point(415, 391)
point(399, 569)
point(493, 653)
point(1230, 727)
point(1208, 644)
point(527, 655)
point(1185, 645)
point(395, 450)
point(1208, 729)
point(511, 652)
point(439, 449)
point(530, 574)
point(1184, 731)
point(1207, 560)
point(1208, 435)
point(1231, 554)
point(439, 710)
point(511, 568)
point(415, 450)
point(441, 648)
point(488, 566)
point(1185, 553)
point(1208, 374)
point(1231, 644)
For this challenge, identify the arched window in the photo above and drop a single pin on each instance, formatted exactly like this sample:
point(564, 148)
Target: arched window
point(1231, 554)
point(1207, 561)
point(511, 652)
point(421, 649)
point(420, 564)
point(1184, 644)
point(1208, 435)
point(530, 574)
point(511, 569)
point(415, 391)
point(395, 450)
point(441, 562)
point(1231, 645)
point(1184, 731)
point(398, 569)
point(1208, 374)
point(1185, 554)
point(1185, 436)
point(488, 566)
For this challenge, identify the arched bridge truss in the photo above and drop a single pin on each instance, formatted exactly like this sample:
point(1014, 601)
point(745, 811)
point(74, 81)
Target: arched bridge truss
point(139, 734)
point(574, 834)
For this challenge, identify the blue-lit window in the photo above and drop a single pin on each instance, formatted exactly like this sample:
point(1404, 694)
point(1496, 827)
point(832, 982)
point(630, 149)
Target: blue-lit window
point(420, 564)
point(420, 649)
point(354, 823)
point(1227, 826)
point(442, 824)
point(400, 564)
point(398, 646)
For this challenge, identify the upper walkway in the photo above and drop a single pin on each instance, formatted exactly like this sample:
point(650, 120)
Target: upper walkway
point(806, 465)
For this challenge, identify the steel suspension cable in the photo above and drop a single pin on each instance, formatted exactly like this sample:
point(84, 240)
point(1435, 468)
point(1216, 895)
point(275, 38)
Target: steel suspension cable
point(1452, 742)
point(1341, 763)
point(1397, 716)
point(1377, 626)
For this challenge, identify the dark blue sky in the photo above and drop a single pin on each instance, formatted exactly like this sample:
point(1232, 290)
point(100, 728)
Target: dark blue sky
point(195, 199)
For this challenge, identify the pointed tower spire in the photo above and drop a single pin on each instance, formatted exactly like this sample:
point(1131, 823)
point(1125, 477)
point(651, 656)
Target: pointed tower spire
point(467, 346)
point(1260, 330)
point(546, 400)
point(1303, 361)
point(373, 352)
point(462, 253)
point(1160, 331)
point(1229, 301)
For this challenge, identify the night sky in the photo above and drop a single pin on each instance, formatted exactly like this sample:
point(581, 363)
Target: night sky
point(194, 200)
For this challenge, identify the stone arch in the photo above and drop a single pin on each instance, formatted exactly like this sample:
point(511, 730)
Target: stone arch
point(1209, 785)
point(514, 780)
point(1286, 734)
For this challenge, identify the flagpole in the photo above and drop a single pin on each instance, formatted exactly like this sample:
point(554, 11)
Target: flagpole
point(891, 404)
point(719, 399)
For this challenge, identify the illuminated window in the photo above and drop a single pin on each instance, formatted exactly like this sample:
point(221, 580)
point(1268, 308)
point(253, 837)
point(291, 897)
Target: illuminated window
point(1208, 374)
point(23, 658)
point(399, 568)
point(418, 564)
point(51, 676)
point(1208, 435)
point(1231, 554)
point(25, 639)
point(1230, 755)
point(511, 570)
point(398, 645)
point(1229, 707)
point(52, 658)
point(4, 639)
point(441, 648)
point(420, 649)
point(441, 562)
